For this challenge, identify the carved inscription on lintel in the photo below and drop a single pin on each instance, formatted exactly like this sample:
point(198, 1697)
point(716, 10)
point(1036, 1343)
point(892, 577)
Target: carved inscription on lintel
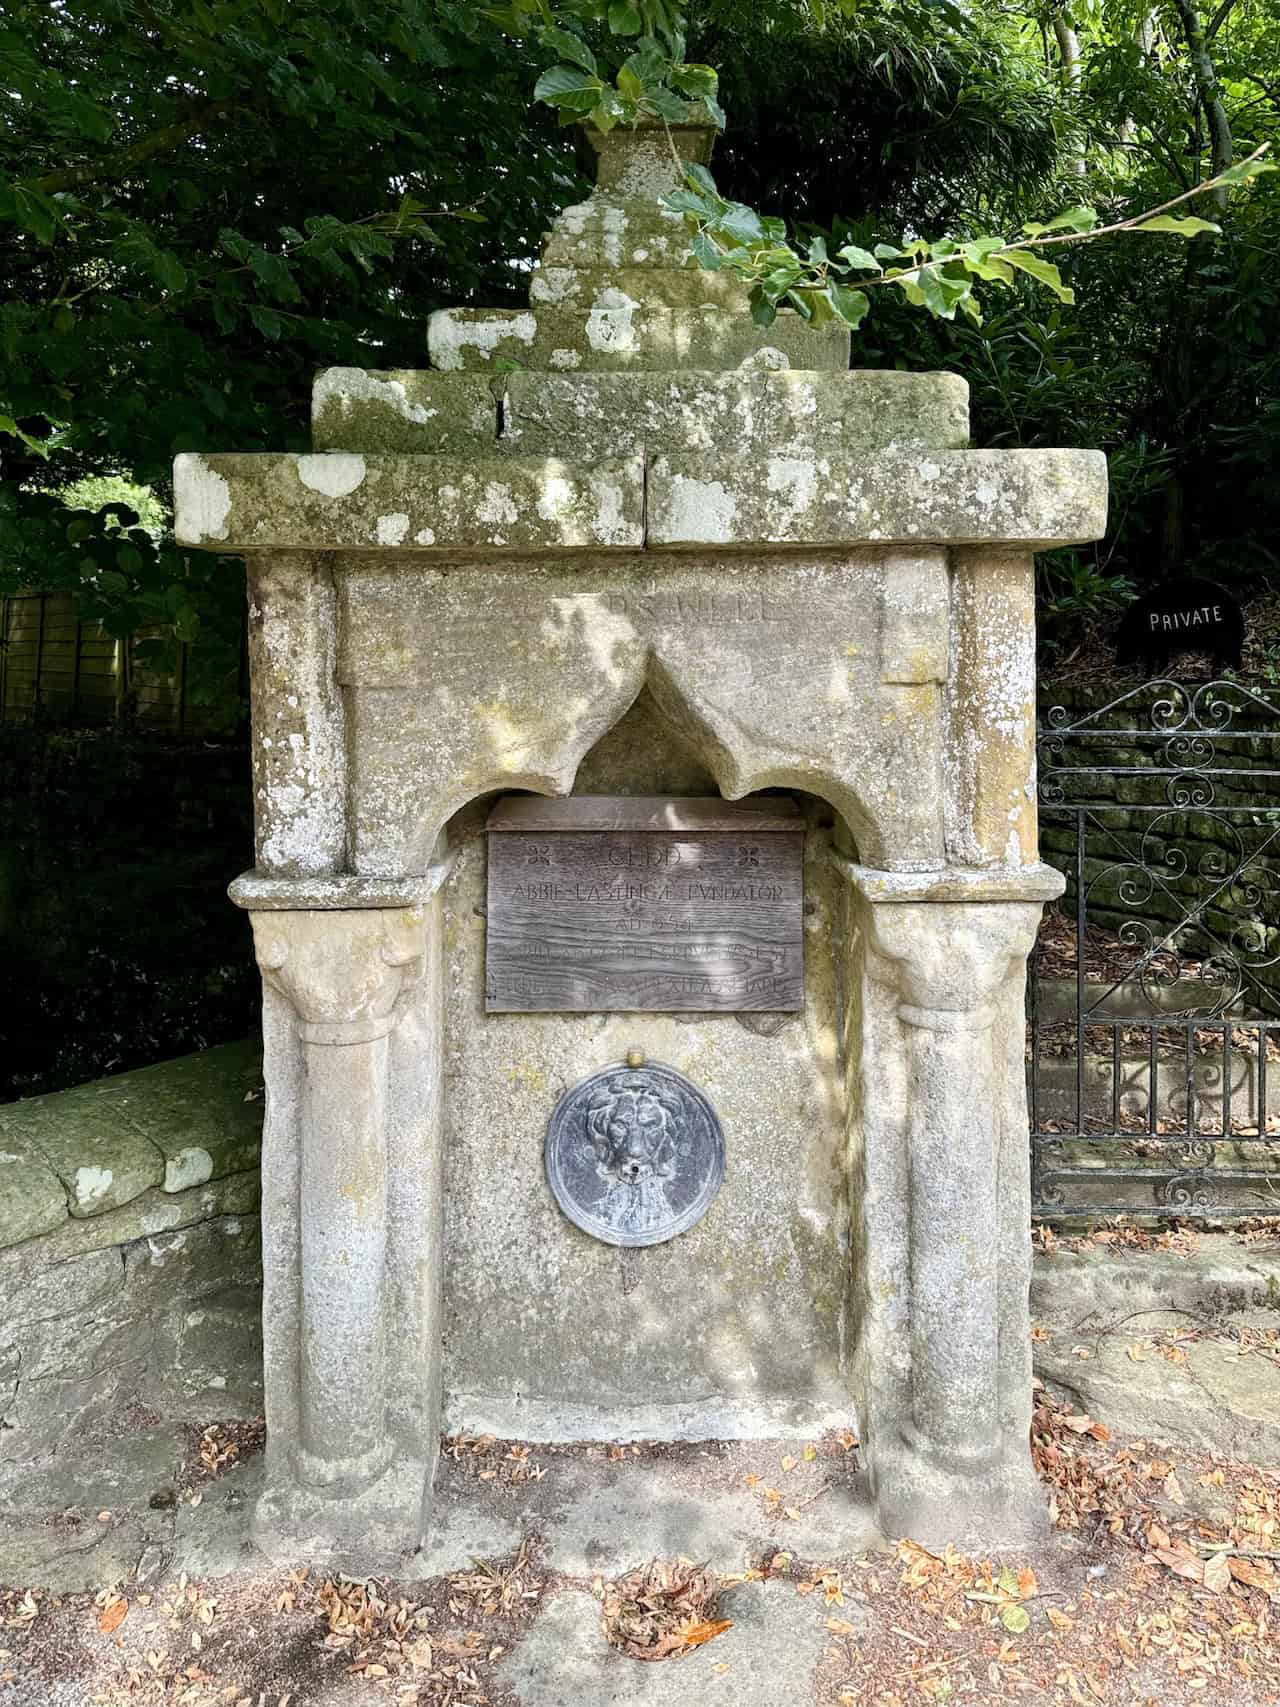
point(635, 916)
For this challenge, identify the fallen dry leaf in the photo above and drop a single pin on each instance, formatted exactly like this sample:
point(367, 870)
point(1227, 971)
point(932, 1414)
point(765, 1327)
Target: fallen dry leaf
point(113, 1617)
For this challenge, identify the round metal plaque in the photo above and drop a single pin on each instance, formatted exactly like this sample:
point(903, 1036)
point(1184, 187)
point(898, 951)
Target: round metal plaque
point(634, 1154)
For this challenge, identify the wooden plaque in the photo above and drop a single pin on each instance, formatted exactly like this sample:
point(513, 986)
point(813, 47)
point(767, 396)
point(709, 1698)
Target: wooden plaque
point(643, 905)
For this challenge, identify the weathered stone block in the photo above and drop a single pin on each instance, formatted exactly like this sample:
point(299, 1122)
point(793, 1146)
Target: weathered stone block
point(1022, 497)
point(408, 409)
point(867, 409)
point(628, 339)
point(207, 1358)
point(89, 1140)
point(591, 415)
point(33, 1199)
point(175, 1126)
point(156, 1211)
point(343, 501)
point(191, 1262)
point(591, 287)
point(616, 234)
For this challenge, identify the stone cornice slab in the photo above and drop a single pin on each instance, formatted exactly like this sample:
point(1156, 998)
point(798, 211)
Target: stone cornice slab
point(1028, 498)
point(514, 505)
point(340, 501)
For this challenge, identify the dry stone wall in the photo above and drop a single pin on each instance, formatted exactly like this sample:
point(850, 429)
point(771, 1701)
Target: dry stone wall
point(130, 1262)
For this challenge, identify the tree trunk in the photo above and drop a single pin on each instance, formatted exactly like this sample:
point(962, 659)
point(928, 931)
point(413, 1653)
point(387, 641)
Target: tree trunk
point(1221, 146)
point(1069, 55)
point(1144, 38)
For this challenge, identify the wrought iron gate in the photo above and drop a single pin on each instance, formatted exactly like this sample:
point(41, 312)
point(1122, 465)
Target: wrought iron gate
point(1154, 996)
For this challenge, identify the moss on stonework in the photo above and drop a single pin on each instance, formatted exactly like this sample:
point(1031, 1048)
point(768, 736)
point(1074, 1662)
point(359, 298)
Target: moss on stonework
point(173, 1126)
point(627, 339)
point(590, 415)
point(411, 410)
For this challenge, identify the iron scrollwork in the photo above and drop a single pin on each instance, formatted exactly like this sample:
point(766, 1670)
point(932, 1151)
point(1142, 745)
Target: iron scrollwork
point(1150, 1044)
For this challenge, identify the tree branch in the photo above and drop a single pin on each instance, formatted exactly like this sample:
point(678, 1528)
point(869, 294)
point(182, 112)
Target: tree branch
point(1219, 19)
point(1209, 90)
point(119, 165)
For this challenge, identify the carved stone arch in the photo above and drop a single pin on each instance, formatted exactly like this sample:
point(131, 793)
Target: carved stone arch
point(743, 758)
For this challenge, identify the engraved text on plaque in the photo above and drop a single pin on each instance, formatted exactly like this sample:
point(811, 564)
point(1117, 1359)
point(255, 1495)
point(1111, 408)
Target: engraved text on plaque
point(642, 904)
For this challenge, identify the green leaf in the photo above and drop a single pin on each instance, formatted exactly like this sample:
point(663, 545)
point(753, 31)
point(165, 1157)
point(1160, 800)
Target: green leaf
point(850, 305)
point(568, 47)
point(170, 271)
point(564, 82)
point(985, 265)
point(701, 179)
point(1043, 271)
point(689, 201)
point(1244, 170)
point(763, 312)
point(1015, 1619)
point(698, 82)
point(1187, 226)
point(861, 258)
point(629, 84)
point(941, 293)
point(741, 224)
point(1074, 219)
point(35, 212)
point(706, 254)
point(886, 252)
point(266, 320)
point(625, 19)
point(666, 104)
point(274, 275)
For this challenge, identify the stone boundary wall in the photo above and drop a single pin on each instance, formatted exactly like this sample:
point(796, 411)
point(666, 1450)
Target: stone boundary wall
point(130, 1262)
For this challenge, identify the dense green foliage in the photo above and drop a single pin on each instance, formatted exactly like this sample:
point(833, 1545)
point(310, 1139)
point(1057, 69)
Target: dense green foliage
point(206, 202)
point(203, 201)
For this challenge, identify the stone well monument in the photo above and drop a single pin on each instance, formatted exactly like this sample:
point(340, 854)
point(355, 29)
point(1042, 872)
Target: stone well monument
point(646, 867)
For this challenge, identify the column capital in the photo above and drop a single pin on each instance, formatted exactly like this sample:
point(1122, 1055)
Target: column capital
point(946, 942)
point(341, 972)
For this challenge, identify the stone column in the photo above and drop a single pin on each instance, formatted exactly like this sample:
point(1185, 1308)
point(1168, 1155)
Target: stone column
point(298, 741)
point(942, 1206)
point(338, 984)
point(991, 708)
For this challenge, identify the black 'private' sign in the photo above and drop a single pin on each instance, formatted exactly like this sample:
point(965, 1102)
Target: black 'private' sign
point(1185, 615)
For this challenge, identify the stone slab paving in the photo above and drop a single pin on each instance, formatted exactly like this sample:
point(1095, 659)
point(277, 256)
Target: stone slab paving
point(1216, 1398)
point(766, 1659)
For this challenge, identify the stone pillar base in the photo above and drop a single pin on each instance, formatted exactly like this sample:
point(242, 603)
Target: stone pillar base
point(1001, 1503)
point(367, 1533)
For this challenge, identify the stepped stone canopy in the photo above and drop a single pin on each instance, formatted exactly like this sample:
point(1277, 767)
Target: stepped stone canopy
point(625, 535)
